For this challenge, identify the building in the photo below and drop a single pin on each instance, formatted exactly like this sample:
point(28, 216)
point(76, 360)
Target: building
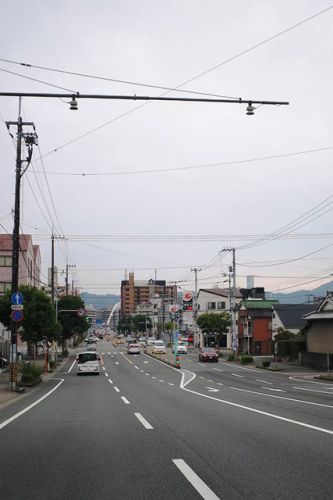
point(290, 317)
point(135, 293)
point(255, 326)
point(29, 262)
point(319, 336)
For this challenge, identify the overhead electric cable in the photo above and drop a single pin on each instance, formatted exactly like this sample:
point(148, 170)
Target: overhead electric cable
point(188, 167)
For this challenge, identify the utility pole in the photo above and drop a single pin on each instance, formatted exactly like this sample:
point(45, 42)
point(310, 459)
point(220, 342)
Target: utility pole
point(66, 277)
point(195, 309)
point(30, 139)
point(232, 298)
point(52, 267)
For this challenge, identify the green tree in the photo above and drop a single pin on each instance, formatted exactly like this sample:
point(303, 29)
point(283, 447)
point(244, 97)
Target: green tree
point(214, 323)
point(73, 325)
point(39, 315)
point(141, 322)
point(125, 324)
point(169, 327)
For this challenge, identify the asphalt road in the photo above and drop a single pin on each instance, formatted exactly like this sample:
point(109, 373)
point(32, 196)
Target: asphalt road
point(143, 430)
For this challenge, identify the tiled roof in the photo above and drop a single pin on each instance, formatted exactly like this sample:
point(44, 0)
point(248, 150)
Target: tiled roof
point(221, 292)
point(6, 242)
point(291, 314)
point(259, 304)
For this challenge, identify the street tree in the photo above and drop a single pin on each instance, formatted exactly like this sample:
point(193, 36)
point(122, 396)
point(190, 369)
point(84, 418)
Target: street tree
point(73, 324)
point(216, 324)
point(39, 316)
point(141, 323)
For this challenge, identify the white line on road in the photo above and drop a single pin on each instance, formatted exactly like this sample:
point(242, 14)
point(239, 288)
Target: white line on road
point(160, 380)
point(148, 374)
point(104, 368)
point(235, 375)
point(201, 364)
point(136, 367)
point(220, 383)
point(271, 389)
point(312, 390)
point(209, 380)
point(106, 374)
point(116, 363)
point(153, 378)
point(14, 417)
point(255, 410)
point(195, 480)
point(201, 376)
point(116, 389)
point(146, 362)
point(142, 371)
point(264, 382)
point(110, 381)
point(170, 383)
point(281, 397)
point(218, 369)
point(125, 400)
point(71, 367)
point(211, 389)
point(143, 421)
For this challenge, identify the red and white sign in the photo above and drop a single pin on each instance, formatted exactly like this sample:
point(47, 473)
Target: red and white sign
point(188, 296)
point(173, 308)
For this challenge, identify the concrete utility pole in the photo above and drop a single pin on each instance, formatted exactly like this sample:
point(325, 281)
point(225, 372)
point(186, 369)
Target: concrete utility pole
point(195, 308)
point(30, 138)
point(232, 298)
point(52, 267)
point(66, 277)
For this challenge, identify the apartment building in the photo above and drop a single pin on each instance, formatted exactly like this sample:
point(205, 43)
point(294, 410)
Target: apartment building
point(29, 262)
point(135, 293)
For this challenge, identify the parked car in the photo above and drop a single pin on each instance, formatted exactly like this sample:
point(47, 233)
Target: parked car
point(208, 354)
point(158, 347)
point(87, 362)
point(134, 349)
point(181, 348)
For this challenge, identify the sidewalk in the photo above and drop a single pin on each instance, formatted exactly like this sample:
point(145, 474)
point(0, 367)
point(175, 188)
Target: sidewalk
point(7, 396)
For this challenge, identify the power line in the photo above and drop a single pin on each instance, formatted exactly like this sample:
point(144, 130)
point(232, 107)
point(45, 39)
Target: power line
point(188, 167)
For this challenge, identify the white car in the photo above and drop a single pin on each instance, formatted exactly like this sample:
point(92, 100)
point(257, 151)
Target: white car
point(150, 341)
point(87, 362)
point(134, 349)
point(158, 347)
point(181, 348)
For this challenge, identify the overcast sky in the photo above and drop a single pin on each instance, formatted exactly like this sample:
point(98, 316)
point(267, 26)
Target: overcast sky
point(228, 201)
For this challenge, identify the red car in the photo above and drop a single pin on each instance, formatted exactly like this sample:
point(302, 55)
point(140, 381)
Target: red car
point(208, 354)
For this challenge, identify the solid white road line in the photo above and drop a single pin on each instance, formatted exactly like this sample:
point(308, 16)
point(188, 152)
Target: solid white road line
point(264, 382)
point(195, 480)
point(116, 389)
point(110, 381)
point(143, 421)
point(71, 367)
point(271, 389)
point(312, 390)
point(281, 397)
point(14, 417)
point(125, 400)
point(254, 410)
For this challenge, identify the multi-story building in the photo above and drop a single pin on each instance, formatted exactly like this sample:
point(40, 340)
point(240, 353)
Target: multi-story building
point(29, 262)
point(135, 293)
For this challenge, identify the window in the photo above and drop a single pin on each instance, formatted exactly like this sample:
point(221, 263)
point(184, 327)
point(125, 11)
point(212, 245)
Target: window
point(211, 305)
point(5, 287)
point(221, 305)
point(5, 261)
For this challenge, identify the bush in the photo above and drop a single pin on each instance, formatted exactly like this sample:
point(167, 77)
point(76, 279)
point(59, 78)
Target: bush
point(220, 354)
point(266, 363)
point(31, 373)
point(245, 359)
point(231, 357)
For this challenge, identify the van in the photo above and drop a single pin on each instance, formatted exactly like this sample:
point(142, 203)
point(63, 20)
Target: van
point(87, 362)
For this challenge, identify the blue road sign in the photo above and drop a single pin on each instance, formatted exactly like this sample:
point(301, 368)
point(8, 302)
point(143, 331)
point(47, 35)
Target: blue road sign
point(17, 315)
point(17, 299)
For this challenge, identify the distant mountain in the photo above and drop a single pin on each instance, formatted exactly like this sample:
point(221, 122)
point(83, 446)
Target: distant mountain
point(302, 296)
point(100, 301)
